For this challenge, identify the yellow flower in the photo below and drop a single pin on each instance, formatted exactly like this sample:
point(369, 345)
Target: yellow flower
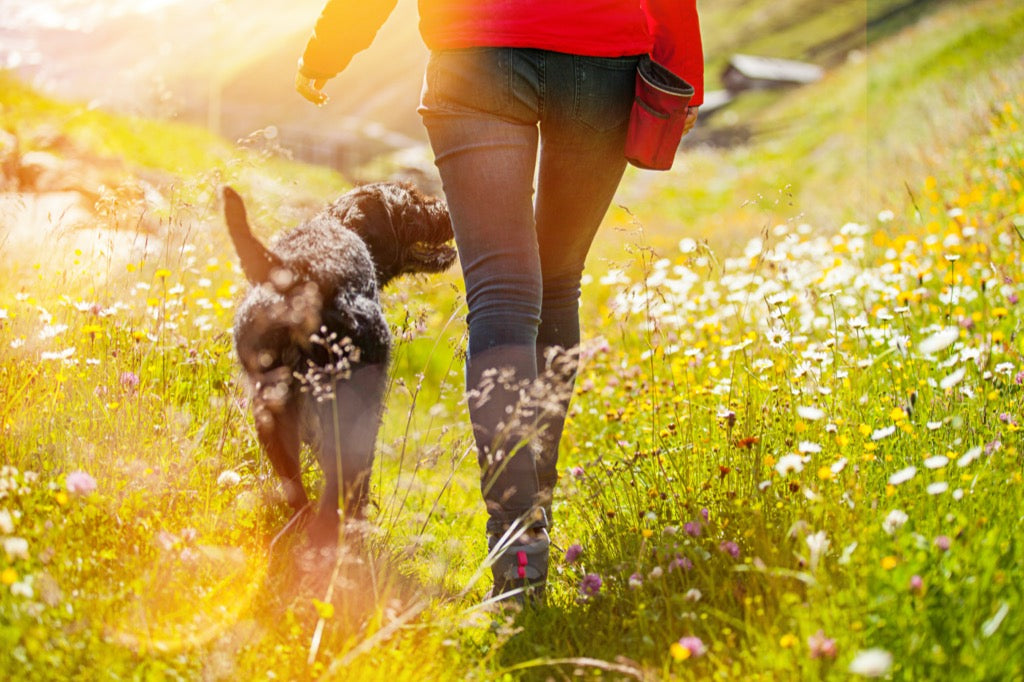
point(9, 577)
point(324, 609)
point(825, 473)
point(890, 562)
point(789, 640)
point(647, 532)
point(679, 652)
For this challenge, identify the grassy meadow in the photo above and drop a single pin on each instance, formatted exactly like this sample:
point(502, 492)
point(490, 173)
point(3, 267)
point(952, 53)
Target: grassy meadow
point(794, 451)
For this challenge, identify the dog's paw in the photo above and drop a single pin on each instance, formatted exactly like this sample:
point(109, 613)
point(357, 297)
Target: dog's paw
point(296, 523)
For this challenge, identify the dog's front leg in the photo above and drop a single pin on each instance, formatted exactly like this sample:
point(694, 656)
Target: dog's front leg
point(350, 422)
point(278, 429)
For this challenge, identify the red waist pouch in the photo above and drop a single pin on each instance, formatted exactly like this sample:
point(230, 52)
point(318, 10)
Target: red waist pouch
point(658, 116)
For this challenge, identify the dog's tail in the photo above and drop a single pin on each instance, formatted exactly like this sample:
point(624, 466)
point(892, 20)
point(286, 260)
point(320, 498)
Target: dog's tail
point(257, 261)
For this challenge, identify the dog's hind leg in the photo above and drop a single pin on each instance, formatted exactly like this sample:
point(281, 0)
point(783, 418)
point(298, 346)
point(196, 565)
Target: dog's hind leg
point(350, 423)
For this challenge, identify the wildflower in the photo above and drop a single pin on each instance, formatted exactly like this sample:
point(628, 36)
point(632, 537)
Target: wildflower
point(936, 462)
point(573, 553)
point(23, 588)
point(687, 647)
point(165, 540)
point(80, 483)
point(1004, 368)
point(635, 581)
point(969, 456)
point(903, 475)
point(817, 544)
point(858, 322)
point(681, 563)
point(943, 543)
point(9, 576)
point(16, 548)
point(879, 434)
point(789, 463)
point(229, 479)
point(6, 522)
point(730, 548)
point(810, 413)
point(871, 663)
point(693, 529)
point(778, 337)
point(577, 472)
point(590, 585)
point(953, 379)
point(57, 355)
point(788, 640)
point(129, 381)
point(807, 447)
point(655, 573)
point(937, 488)
point(916, 584)
point(894, 521)
point(820, 646)
point(693, 595)
point(889, 562)
point(939, 341)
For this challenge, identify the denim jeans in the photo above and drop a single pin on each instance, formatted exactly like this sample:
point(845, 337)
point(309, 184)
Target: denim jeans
point(497, 119)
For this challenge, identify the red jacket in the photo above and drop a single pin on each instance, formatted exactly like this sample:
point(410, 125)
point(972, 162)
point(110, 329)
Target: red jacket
point(668, 30)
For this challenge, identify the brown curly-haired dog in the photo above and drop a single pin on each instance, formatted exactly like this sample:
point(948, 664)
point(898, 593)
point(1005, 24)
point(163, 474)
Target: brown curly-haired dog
point(312, 338)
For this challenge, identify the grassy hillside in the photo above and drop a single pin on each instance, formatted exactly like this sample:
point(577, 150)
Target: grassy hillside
point(844, 148)
point(794, 450)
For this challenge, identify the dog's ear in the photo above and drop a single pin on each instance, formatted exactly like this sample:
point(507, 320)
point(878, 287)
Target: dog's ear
point(368, 211)
point(257, 262)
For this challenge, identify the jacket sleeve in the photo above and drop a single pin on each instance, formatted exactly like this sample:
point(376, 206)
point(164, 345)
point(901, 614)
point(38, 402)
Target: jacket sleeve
point(344, 28)
point(675, 28)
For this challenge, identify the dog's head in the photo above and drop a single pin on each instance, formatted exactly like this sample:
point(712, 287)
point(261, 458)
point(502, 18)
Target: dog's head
point(404, 230)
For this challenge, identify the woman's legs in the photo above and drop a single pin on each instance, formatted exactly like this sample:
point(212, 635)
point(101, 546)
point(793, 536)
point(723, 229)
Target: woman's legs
point(522, 263)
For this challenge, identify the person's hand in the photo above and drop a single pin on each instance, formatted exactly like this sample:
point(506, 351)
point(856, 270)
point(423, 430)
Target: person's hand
point(311, 88)
point(691, 119)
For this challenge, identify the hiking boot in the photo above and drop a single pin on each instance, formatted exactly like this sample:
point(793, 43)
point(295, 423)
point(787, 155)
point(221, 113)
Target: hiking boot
point(520, 564)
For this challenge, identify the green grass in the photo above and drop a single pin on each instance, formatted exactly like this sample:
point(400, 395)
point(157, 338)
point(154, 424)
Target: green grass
point(737, 465)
